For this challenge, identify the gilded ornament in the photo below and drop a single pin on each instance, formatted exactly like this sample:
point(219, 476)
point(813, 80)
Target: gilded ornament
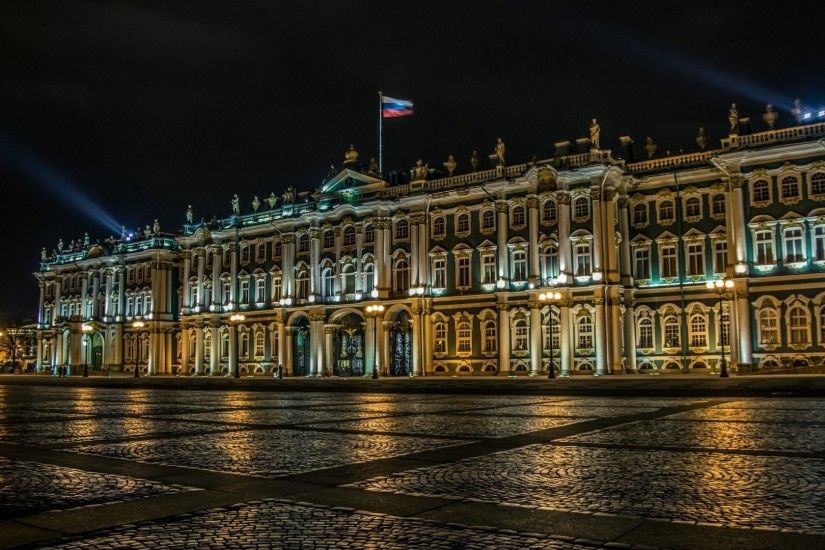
point(770, 116)
point(450, 164)
point(650, 147)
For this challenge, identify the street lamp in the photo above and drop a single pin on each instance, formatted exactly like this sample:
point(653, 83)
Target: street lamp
point(550, 297)
point(138, 324)
point(721, 288)
point(236, 319)
point(86, 328)
point(375, 311)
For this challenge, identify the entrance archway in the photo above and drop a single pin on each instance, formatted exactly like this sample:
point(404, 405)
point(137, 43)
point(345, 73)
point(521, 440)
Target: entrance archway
point(300, 347)
point(348, 350)
point(401, 345)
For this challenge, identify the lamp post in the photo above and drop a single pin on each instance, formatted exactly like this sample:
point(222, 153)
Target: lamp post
point(138, 324)
point(375, 311)
point(237, 319)
point(721, 288)
point(86, 328)
point(551, 298)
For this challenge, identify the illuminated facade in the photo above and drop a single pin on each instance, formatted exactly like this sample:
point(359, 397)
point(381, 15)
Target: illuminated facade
point(594, 263)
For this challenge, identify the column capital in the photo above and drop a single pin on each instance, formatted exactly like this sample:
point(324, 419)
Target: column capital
point(502, 206)
point(532, 201)
point(563, 197)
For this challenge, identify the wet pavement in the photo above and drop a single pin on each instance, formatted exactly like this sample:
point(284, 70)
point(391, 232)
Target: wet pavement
point(175, 468)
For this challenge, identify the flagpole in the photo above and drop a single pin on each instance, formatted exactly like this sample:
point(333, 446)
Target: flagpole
point(380, 134)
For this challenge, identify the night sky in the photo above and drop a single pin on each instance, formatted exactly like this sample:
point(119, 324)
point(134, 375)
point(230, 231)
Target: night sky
point(127, 111)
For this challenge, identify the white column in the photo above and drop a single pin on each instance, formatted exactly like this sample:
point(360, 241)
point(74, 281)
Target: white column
point(199, 349)
point(502, 209)
point(378, 251)
point(288, 268)
point(416, 338)
point(625, 267)
point(84, 295)
point(329, 350)
point(233, 276)
point(95, 295)
point(118, 345)
point(598, 236)
point(414, 257)
point(41, 288)
point(384, 339)
point(282, 343)
point(233, 348)
point(386, 254)
point(428, 340)
point(744, 327)
point(186, 304)
point(201, 274)
point(535, 339)
point(599, 340)
point(611, 250)
point(736, 218)
point(533, 220)
point(370, 345)
point(184, 351)
point(614, 325)
point(217, 258)
point(565, 339)
point(315, 261)
point(503, 335)
point(39, 365)
point(565, 262)
point(630, 334)
point(423, 254)
point(215, 352)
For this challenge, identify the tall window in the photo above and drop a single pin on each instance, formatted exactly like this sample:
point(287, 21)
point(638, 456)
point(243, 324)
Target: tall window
point(789, 187)
point(329, 238)
point(463, 272)
point(693, 207)
point(725, 330)
point(260, 290)
point(519, 265)
point(349, 279)
point(720, 256)
point(349, 236)
point(490, 336)
point(440, 273)
point(641, 261)
point(769, 326)
point(277, 249)
point(581, 208)
point(227, 292)
point(645, 340)
point(302, 284)
point(465, 337)
point(551, 262)
point(698, 331)
point(402, 229)
point(303, 243)
point(819, 243)
point(402, 275)
point(718, 205)
point(369, 234)
point(440, 333)
point(671, 325)
point(518, 216)
point(583, 264)
point(584, 327)
point(488, 219)
point(260, 252)
point(463, 223)
point(520, 335)
point(666, 212)
point(488, 269)
point(818, 184)
point(668, 259)
point(640, 214)
point(794, 245)
point(244, 254)
point(276, 288)
point(369, 278)
point(244, 341)
point(764, 247)
point(761, 191)
point(207, 345)
point(259, 344)
point(799, 325)
point(328, 280)
point(696, 258)
point(244, 291)
point(439, 226)
point(548, 211)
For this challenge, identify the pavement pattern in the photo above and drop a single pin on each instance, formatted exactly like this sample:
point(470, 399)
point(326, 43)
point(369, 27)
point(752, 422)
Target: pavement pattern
point(172, 468)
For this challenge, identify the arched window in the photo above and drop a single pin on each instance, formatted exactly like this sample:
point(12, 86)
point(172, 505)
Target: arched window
point(369, 278)
point(584, 327)
point(259, 344)
point(517, 216)
point(698, 331)
point(548, 211)
point(640, 214)
point(819, 243)
point(227, 292)
point(439, 226)
point(349, 279)
point(402, 276)
point(490, 336)
point(519, 265)
point(329, 238)
point(818, 183)
point(799, 325)
point(440, 334)
point(464, 337)
point(581, 208)
point(671, 326)
point(718, 204)
point(243, 352)
point(666, 212)
point(349, 236)
point(789, 187)
point(693, 207)
point(761, 191)
point(488, 219)
point(244, 254)
point(402, 229)
point(463, 223)
point(144, 348)
point(224, 344)
point(645, 336)
point(302, 284)
point(764, 247)
point(277, 249)
point(769, 327)
point(303, 243)
point(275, 290)
point(369, 234)
point(794, 245)
point(581, 253)
point(520, 334)
point(551, 262)
point(328, 280)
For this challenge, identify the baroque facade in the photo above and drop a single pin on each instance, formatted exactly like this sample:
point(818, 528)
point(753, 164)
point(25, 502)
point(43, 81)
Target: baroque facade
point(591, 262)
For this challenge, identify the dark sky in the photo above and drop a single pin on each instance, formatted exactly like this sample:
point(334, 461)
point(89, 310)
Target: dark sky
point(129, 110)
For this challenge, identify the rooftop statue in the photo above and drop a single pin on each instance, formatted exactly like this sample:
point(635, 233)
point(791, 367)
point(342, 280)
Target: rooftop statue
point(351, 156)
point(272, 200)
point(236, 204)
point(474, 160)
point(797, 110)
point(373, 167)
point(770, 116)
point(122, 232)
point(190, 216)
point(289, 194)
point(256, 203)
point(147, 231)
point(156, 227)
point(702, 138)
point(733, 118)
point(450, 164)
point(71, 245)
point(650, 147)
point(500, 151)
point(85, 239)
point(420, 170)
point(595, 130)
point(43, 254)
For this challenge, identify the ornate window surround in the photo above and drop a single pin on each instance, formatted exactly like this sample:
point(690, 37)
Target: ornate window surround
point(760, 175)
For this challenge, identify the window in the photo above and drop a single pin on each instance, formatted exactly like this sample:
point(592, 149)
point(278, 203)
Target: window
point(465, 337)
point(761, 191)
point(440, 332)
point(720, 256)
point(349, 236)
point(402, 229)
point(244, 291)
point(488, 269)
point(640, 214)
point(666, 212)
point(244, 254)
point(718, 205)
point(276, 288)
point(490, 337)
point(724, 330)
point(671, 331)
point(551, 263)
point(463, 223)
point(488, 219)
point(821, 325)
point(769, 327)
point(224, 344)
point(548, 211)
point(349, 279)
point(819, 243)
point(303, 243)
point(696, 259)
point(764, 247)
point(645, 339)
point(277, 249)
point(260, 290)
point(439, 226)
point(402, 275)
point(584, 326)
point(227, 292)
point(260, 252)
point(244, 347)
point(641, 262)
point(329, 238)
point(668, 259)
point(440, 273)
point(799, 326)
point(520, 335)
point(207, 345)
point(259, 344)
point(693, 207)
point(517, 216)
point(581, 208)
point(789, 187)
point(302, 284)
point(463, 272)
point(583, 265)
point(794, 245)
point(369, 234)
point(369, 279)
point(328, 281)
point(519, 265)
point(818, 184)
point(698, 331)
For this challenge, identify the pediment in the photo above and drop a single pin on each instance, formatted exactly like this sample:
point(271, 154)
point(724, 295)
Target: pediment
point(348, 179)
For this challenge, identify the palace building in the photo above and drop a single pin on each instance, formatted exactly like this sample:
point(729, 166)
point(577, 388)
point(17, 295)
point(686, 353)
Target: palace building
point(594, 262)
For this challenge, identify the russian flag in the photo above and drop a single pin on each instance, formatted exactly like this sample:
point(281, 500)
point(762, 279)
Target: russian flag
point(392, 108)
